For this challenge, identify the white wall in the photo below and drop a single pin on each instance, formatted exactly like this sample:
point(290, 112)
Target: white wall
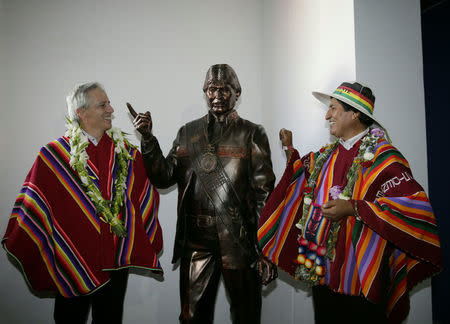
point(154, 54)
point(389, 57)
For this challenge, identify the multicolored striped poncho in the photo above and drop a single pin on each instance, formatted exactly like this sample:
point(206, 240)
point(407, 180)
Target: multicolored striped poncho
point(62, 245)
point(383, 253)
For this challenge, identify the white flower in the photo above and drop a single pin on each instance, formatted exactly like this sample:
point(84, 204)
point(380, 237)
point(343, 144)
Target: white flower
point(366, 139)
point(84, 157)
point(74, 150)
point(84, 180)
point(307, 201)
point(114, 221)
point(343, 197)
point(368, 156)
point(83, 138)
point(72, 160)
point(97, 196)
point(115, 133)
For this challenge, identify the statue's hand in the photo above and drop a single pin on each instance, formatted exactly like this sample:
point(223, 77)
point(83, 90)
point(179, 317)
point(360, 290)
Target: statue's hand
point(142, 122)
point(285, 137)
point(266, 270)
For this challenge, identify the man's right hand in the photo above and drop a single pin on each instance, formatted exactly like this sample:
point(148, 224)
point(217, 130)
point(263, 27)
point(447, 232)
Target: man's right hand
point(142, 122)
point(286, 137)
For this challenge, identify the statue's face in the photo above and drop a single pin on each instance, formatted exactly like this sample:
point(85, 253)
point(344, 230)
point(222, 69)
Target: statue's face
point(221, 97)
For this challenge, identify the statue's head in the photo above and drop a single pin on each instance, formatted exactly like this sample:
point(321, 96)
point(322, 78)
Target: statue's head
point(222, 88)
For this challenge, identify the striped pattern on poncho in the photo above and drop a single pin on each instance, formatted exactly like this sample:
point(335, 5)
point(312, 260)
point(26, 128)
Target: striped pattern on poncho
point(60, 241)
point(392, 247)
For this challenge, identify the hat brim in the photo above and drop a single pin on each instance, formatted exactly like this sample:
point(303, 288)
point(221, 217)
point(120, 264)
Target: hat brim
point(325, 98)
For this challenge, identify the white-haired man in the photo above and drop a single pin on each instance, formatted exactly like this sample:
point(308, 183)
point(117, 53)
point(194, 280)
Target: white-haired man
point(85, 214)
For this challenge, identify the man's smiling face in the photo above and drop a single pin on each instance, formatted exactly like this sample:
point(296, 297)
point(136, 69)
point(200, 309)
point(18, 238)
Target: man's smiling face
point(96, 119)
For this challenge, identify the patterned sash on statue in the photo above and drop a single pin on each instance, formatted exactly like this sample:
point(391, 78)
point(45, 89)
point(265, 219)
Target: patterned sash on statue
point(216, 184)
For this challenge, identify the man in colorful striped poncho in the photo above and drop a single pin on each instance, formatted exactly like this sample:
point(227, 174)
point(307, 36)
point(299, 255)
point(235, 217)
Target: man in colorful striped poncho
point(85, 214)
point(350, 219)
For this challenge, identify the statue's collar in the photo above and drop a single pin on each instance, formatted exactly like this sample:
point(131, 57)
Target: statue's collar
point(229, 117)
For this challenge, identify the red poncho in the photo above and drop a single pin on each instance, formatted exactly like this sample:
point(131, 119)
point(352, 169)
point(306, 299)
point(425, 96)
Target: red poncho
point(391, 247)
point(55, 234)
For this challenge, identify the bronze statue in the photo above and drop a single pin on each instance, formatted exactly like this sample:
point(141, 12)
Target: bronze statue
point(221, 164)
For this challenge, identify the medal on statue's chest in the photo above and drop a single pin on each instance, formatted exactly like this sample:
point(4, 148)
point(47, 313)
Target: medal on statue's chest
point(208, 161)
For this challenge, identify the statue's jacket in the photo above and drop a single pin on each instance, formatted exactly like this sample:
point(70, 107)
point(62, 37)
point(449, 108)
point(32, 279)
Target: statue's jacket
point(242, 148)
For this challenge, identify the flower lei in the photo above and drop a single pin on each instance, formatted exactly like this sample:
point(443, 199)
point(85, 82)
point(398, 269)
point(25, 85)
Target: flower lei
point(109, 209)
point(313, 271)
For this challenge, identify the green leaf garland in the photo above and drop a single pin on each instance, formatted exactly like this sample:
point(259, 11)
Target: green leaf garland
point(108, 209)
point(363, 158)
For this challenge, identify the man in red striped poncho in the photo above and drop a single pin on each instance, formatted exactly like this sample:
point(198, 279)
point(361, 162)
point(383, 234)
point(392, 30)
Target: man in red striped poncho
point(350, 219)
point(85, 214)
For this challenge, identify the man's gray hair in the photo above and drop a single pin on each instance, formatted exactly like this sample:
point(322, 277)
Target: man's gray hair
point(78, 98)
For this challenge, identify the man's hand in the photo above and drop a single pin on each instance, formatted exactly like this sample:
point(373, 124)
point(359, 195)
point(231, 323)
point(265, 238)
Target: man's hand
point(337, 209)
point(142, 122)
point(285, 137)
point(267, 270)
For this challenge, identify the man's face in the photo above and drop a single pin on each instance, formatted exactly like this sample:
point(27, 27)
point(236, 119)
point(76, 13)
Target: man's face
point(221, 97)
point(97, 117)
point(342, 123)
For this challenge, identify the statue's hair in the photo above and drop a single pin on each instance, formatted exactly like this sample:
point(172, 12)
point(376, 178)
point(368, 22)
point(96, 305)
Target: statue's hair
point(222, 72)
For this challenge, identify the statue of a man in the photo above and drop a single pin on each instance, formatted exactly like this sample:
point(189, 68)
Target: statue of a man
point(221, 164)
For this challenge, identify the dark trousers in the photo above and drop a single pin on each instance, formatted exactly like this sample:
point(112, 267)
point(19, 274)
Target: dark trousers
point(200, 273)
point(106, 303)
point(332, 307)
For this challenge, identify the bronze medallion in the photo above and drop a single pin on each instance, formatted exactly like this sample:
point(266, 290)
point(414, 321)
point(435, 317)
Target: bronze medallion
point(208, 162)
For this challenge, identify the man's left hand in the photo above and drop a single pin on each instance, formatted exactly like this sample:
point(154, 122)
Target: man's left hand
point(266, 270)
point(337, 209)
